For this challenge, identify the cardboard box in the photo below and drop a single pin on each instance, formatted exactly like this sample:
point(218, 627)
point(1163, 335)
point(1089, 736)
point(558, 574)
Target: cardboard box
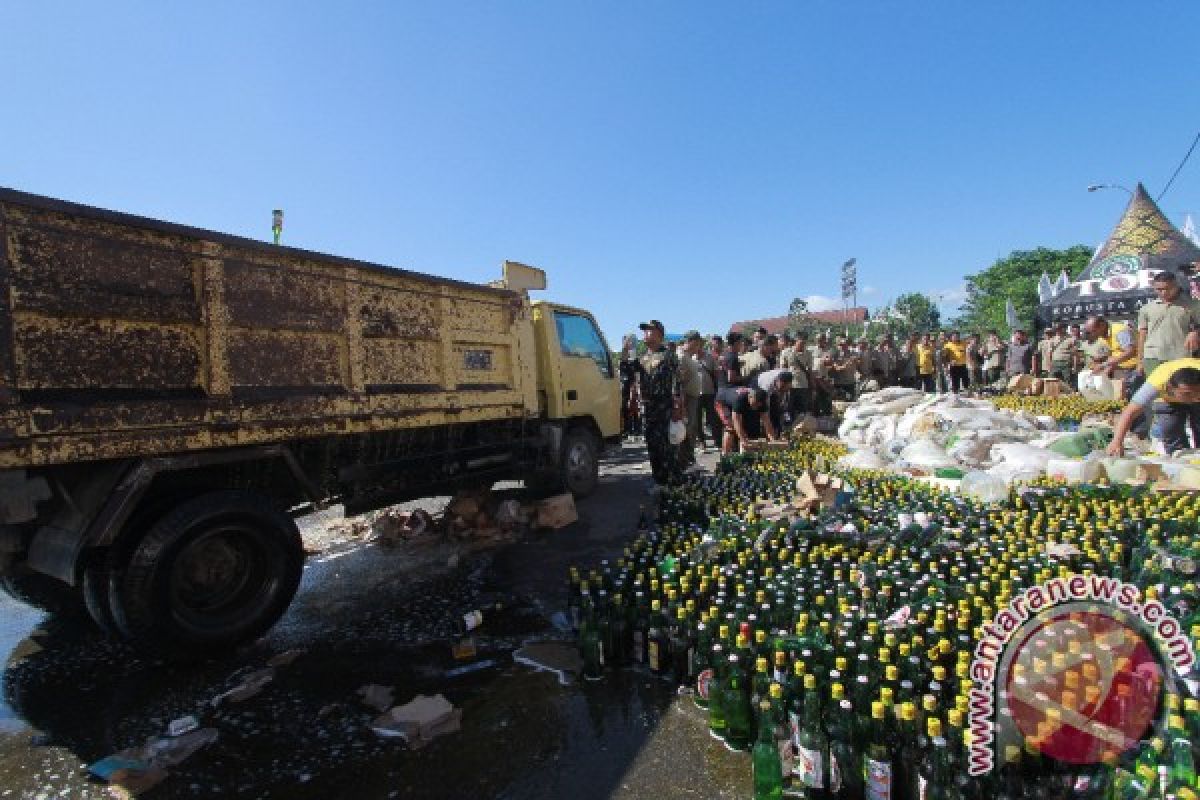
point(1052, 387)
point(1020, 383)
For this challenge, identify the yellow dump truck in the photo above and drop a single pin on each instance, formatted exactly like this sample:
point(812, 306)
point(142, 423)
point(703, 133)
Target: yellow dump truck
point(172, 398)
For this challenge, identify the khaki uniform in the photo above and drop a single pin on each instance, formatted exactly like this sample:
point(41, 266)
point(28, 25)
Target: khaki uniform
point(690, 380)
point(1096, 351)
point(819, 354)
point(1166, 326)
point(1063, 353)
point(1045, 348)
point(796, 361)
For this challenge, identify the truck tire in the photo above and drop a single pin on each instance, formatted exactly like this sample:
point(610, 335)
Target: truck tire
point(580, 467)
point(217, 571)
point(41, 592)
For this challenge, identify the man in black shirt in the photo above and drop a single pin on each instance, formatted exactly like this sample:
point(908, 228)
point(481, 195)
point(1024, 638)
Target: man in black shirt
point(729, 371)
point(734, 404)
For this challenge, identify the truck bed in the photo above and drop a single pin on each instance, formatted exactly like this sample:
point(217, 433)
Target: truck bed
point(122, 336)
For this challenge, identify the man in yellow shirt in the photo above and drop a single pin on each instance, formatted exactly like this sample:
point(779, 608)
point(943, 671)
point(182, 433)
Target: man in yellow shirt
point(925, 364)
point(955, 353)
point(1174, 391)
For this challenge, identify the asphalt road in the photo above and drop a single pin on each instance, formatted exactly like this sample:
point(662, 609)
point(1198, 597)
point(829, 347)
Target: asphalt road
point(370, 614)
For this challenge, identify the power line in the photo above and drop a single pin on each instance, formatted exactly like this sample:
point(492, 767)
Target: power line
point(1181, 163)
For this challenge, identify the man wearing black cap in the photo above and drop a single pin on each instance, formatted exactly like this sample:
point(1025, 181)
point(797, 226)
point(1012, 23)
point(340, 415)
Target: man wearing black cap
point(659, 376)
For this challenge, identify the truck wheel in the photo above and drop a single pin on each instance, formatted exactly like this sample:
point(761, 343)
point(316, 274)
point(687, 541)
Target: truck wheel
point(216, 571)
point(580, 463)
point(41, 591)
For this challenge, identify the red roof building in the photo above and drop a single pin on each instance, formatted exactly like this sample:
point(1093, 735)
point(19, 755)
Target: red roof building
point(777, 325)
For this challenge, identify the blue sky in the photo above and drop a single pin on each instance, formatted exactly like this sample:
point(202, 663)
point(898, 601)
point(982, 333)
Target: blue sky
point(694, 162)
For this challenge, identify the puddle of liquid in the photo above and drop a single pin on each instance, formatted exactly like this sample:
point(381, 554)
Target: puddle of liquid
point(16, 622)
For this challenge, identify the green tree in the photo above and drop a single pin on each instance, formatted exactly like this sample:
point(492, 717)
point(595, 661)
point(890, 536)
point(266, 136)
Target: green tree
point(917, 312)
point(797, 311)
point(1015, 278)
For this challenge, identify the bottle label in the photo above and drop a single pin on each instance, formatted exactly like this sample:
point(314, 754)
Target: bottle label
point(704, 683)
point(654, 655)
point(835, 774)
point(878, 777)
point(786, 756)
point(810, 767)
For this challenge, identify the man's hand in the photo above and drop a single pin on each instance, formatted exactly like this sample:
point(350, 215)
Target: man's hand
point(1192, 342)
point(1115, 448)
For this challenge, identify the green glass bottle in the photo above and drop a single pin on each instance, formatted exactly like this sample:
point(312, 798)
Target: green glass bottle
point(717, 725)
point(768, 769)
point(878, 774)
point(812, 745)
point(845, 769)
point(683, 649)
point(760, 684)
point(590, 645)
point(702, 665)
point(933, 774)
point(739, 719)
point(658, 645)
point(1182, 771)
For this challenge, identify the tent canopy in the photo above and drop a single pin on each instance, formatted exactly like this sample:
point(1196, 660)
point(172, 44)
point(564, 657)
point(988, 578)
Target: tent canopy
point(1116, 283)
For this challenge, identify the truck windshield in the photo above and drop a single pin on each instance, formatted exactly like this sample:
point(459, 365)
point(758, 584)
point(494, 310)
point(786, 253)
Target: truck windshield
point(577, 336)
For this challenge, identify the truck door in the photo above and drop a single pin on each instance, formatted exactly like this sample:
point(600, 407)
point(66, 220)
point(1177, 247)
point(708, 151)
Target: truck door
point(590, 387)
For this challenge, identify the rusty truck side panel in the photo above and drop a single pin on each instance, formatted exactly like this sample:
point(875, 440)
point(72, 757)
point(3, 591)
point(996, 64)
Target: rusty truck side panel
point(126, 337)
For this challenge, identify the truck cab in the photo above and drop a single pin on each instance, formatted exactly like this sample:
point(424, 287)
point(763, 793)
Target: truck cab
point(578, 388)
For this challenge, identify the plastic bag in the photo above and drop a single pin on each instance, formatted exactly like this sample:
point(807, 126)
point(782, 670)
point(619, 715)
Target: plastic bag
point(1017, 455)
point(1073, 445)
point(861, 459)
point(985, 487)
point(927, 454)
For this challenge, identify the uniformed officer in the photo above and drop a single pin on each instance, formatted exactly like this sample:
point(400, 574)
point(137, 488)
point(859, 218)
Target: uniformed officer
point(1167, 325)
point(659, 380)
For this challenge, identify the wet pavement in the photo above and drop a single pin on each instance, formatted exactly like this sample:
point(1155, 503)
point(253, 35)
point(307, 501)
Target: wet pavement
point(371, 614)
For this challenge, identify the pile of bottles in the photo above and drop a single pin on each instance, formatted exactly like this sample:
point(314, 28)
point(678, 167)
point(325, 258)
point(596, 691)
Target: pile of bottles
point(1064, 408)
point(838, 648)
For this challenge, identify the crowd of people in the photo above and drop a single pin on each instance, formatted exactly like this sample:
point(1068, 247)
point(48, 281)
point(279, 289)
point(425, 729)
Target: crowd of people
point(728, 390)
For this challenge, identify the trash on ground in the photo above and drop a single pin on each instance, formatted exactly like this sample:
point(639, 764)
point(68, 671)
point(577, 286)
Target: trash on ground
point(377, 697)
point(251, 685)
point(467, 669)
point(562, 659)
point(464, 648)
point(420, 721)
point(138, 769)
point(285, 658)
point(178, 727)
point(556, 512)
point(168, 752)
point(394, 526)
